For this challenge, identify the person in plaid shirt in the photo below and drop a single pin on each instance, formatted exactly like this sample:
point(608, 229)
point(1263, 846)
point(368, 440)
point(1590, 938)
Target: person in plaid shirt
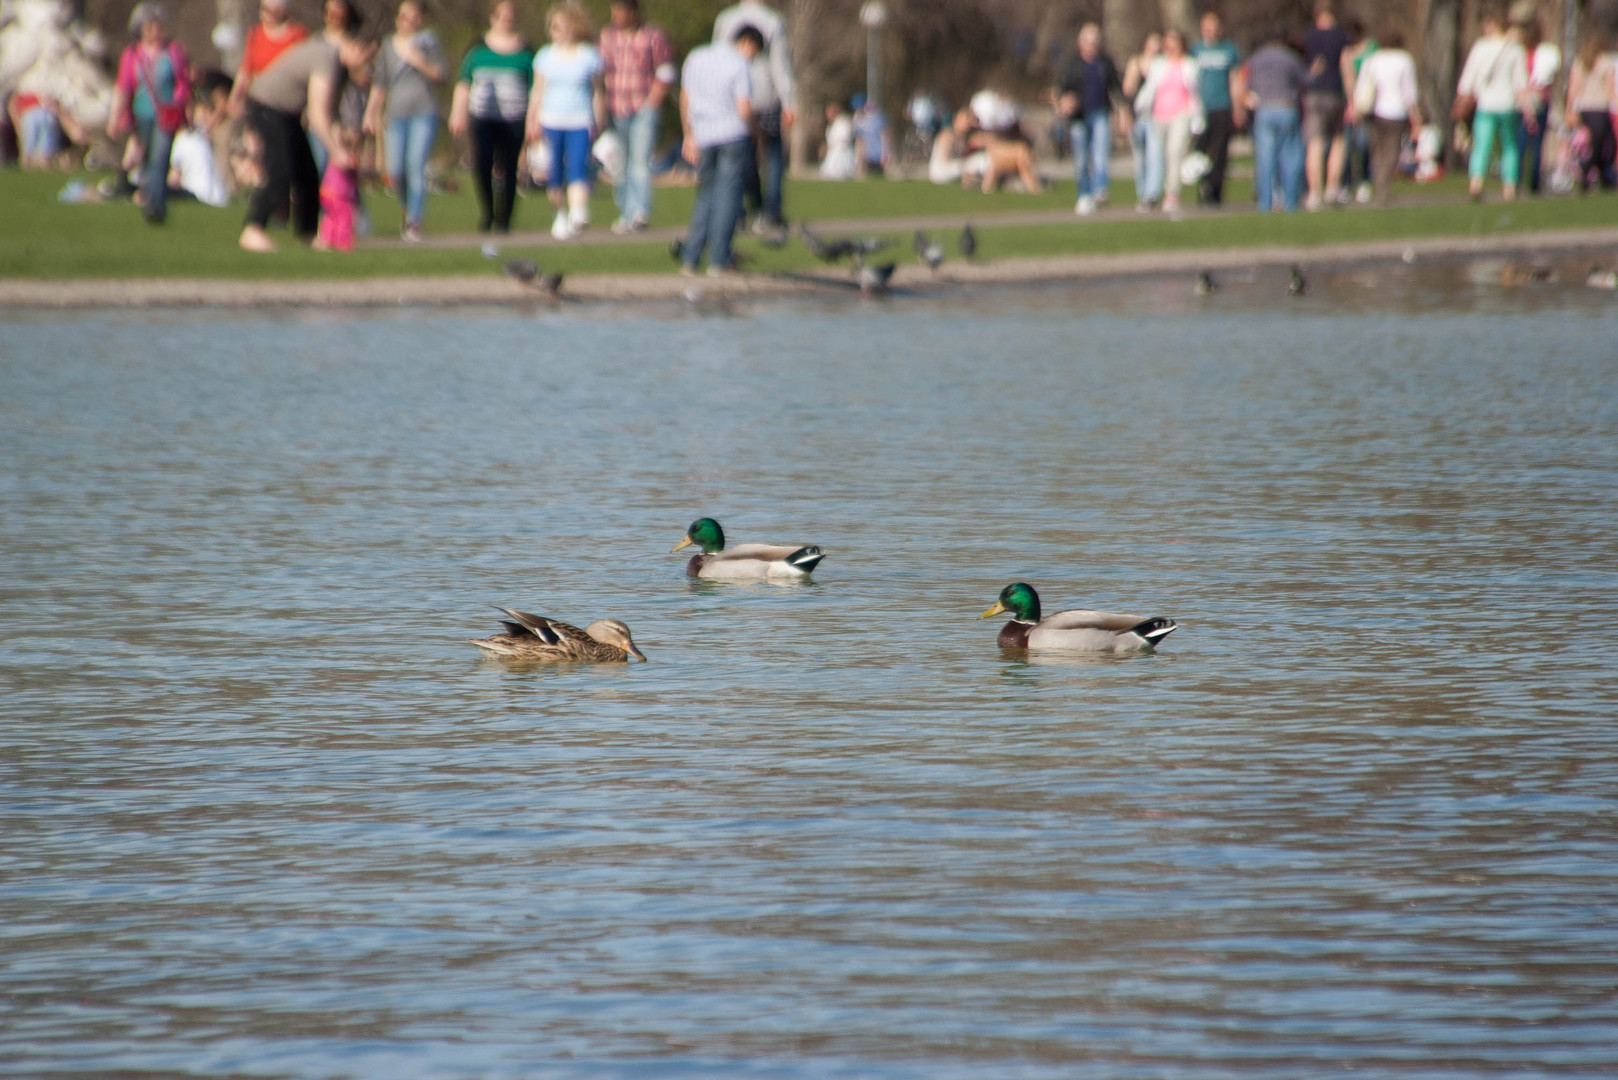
point(638, 63)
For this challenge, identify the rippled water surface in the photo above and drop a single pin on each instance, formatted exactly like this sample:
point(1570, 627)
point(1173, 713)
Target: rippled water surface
point(264, 813)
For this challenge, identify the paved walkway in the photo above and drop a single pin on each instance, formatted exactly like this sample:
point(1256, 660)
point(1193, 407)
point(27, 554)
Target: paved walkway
point(874, 225)
point(495, 288)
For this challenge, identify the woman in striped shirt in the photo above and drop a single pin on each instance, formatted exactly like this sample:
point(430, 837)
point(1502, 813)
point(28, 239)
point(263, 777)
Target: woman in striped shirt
point(491, 101)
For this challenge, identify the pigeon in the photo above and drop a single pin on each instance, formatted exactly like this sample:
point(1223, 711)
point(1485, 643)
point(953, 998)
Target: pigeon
point(1206, 285)
point(868, 245)
point(828, 251)
point(551, 284)
point(929, 251)
point(968, 242)
point(1598, 278)
point(873, 279)
point(523, 270)
point(1297, 284)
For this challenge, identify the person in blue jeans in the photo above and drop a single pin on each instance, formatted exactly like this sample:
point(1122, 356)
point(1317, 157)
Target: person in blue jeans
point(408, 66)
point(1275, 80)
point(1087, 92)
point(717, 114)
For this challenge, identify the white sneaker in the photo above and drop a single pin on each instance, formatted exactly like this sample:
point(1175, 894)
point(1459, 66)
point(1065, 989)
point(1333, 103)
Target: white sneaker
point(623, 227)
point(560, 228)
point(1085, 206)
point(1312, 203)
point(578, 221)
point(1362, 194)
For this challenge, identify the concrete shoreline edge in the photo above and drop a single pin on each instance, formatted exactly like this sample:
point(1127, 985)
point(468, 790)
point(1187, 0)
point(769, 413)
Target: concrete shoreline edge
point(495, 289)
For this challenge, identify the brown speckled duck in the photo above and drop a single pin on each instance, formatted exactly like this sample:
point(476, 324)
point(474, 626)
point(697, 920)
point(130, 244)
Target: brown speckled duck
point(534, 638)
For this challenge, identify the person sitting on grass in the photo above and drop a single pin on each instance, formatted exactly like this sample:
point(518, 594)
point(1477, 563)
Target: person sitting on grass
point(837, 150)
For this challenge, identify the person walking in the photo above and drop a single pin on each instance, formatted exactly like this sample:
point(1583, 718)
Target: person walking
point(1140, 124)
point(1387, 80)
point(1494, 77)
point(1590, 104)
point(408, 66)
point(340, 23)
point(491, 104)
point(716, 115)
point(774, 103)
point(1275, 80)
point(1170, 97)
point(150, 96)
point(566, 107)
point(272, 35)
point(1218, 75)
point(637, 65)
point(1324, 106)
point(1356, 128)
point(1544, 64)
point(1088, 91)
point(302, 79)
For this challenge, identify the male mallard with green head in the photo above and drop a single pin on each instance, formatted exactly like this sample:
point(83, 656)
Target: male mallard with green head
point(535, 638)
point(744, 561)
point(1072, 631)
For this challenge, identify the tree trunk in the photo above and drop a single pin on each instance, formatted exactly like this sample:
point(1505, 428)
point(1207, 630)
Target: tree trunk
point(1178, 15)
point(1123, 26)
point(802, 17)
point(1439, 67)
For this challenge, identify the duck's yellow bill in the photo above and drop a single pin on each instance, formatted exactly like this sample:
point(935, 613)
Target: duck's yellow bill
point(682, 544)
point(997, 609)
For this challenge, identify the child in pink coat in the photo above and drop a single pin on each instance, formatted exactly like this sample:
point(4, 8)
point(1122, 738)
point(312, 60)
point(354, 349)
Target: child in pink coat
point(339, 195)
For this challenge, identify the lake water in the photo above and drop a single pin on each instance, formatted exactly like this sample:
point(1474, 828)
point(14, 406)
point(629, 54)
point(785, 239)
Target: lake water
point(263, 813)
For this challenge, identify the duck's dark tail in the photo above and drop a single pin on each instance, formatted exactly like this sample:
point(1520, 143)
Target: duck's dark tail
point(1155, 630)
point(806, 558)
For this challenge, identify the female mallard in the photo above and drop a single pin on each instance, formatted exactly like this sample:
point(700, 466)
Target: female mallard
point(536, 638)
point(744, 561)
point(1072, 631)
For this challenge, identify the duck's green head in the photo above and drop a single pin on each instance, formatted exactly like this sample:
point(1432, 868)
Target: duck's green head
point(1018, 598)
point(706, 534)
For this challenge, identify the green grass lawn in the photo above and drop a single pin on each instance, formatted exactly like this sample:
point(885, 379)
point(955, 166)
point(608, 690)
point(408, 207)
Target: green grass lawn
point(43, 239)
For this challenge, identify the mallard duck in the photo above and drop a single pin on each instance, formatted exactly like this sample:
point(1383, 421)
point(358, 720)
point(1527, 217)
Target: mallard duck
point(536, 638)
point(1073, 631)
point(744, 561)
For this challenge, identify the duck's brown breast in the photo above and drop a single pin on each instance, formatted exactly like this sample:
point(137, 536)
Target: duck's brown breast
point(1014, 635)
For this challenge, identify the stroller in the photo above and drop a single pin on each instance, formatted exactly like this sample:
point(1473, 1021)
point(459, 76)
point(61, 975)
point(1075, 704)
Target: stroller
point(1570, 156)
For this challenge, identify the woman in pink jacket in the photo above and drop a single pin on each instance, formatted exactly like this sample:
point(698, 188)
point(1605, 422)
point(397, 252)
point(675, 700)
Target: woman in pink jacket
point(150, 96)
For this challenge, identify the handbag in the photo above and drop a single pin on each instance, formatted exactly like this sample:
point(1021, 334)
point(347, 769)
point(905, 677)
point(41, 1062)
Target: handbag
point(1364, 96)
point(170, 117)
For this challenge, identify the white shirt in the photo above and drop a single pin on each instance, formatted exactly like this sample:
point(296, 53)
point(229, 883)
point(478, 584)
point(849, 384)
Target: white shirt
point(1393, 73)
point(839, 161)
point(714, 79)
point(192, 159)
point(1496, 72)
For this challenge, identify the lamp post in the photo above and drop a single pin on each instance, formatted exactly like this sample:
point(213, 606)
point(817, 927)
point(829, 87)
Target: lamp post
point(874, 16)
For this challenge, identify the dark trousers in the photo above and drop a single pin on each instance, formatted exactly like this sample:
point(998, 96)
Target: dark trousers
point(720, 172)
point(496, 144)
point(1603, 149)
point(289, 170)
point(154, 180)
point(761, 192)
point(1215, 142)
point(1533, 146)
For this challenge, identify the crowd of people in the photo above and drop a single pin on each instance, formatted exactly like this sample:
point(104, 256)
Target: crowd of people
point(1334, 116)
